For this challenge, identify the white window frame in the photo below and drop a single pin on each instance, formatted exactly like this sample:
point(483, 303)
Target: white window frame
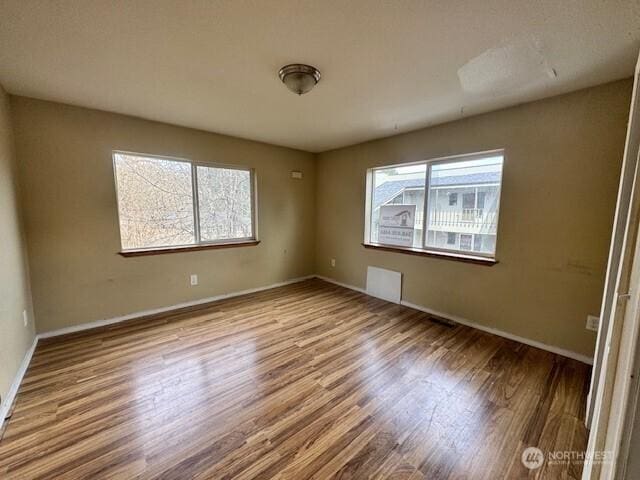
point(196, 204)
point(368, 214)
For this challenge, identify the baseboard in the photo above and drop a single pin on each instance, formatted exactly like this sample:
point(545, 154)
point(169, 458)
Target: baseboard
point(501, 333)
point(110, 321)
point(345, 285)
point(13, 390)
point(463, 321)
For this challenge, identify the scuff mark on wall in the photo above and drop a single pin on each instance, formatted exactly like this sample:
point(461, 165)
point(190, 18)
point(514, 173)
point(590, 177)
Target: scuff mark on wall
point(580, 267)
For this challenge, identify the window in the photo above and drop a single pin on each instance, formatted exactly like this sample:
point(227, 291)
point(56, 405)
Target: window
point(166, 202)
point(468, 200)
point(465, 241)
point(480, 200)
point(416, 205)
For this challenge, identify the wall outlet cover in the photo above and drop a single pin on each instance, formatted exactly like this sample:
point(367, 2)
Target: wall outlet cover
point(194, 279)
point(593, 322)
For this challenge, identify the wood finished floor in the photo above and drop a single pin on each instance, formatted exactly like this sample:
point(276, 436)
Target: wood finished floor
point(310, 380)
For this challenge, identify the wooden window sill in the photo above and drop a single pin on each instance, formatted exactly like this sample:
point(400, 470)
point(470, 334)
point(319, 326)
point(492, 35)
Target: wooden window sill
point(187, 248)
point(489, 262)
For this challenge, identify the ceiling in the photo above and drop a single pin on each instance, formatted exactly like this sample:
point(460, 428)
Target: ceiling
point(387, 66)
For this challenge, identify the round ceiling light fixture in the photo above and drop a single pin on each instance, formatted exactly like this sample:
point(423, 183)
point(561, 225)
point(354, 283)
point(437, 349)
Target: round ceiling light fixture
point(299, 78)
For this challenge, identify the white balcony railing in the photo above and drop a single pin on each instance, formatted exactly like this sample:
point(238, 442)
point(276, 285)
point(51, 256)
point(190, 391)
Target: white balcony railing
point(467, 217)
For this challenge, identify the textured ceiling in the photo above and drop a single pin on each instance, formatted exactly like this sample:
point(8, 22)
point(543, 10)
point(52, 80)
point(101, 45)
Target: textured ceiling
point(387, 66)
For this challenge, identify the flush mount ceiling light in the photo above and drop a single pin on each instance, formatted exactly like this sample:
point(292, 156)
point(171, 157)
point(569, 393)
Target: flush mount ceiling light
point(299, 78)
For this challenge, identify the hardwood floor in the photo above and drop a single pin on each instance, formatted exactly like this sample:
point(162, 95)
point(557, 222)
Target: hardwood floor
point(310, 380)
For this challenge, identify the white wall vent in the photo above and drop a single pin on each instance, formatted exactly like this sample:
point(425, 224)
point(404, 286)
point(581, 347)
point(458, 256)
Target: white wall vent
point(385, 284)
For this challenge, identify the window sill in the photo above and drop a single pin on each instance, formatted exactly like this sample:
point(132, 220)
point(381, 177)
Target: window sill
point(489, 262)
point(187, 248)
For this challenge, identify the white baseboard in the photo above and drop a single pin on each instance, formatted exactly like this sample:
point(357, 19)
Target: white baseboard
point(469, 323)
point(13, 390)
point(145, 313)
point(533, 343)
point(335, 282)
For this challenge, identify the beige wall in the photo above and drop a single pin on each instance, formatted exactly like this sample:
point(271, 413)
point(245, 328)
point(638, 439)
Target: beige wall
point(563, 158)
point(72, 224)
point(15, 297)
point(562, 164)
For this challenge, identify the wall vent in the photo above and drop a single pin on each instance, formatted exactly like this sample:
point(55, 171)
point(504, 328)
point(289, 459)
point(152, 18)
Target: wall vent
point(385, 284)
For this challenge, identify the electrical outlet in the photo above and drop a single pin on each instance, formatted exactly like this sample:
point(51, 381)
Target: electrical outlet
point(194, 279)
point(593, 322)
point(333, 262)
point(25, 318)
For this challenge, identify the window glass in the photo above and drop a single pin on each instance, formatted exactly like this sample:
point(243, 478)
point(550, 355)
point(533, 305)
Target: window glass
point(465, 241)
point(155, 201)
point(481, 197)
point(398, 205)
point(157, 207)
point(462, 204)
point(224, 197)
point(478, 181)
point(468, 200)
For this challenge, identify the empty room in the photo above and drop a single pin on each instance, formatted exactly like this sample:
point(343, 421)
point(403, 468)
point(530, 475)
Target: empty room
point(304, 239)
